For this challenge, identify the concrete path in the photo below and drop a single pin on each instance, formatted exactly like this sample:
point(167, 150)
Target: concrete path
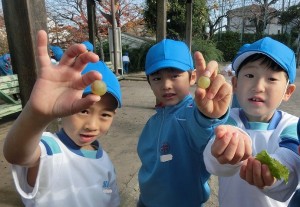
point(120, 143)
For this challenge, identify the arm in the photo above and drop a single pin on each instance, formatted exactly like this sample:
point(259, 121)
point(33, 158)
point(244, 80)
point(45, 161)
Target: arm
point(214, 101)
point(56, 93)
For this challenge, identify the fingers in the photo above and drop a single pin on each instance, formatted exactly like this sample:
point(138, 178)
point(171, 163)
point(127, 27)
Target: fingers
point(87, 79)
point(268, 179)
point(210, 70)
point(230, 146)
point(200, 63)
point(77, 56)
point(84, 103)
point(225, 148)
point(256, 174)
point(42, 49)
point(218, 89)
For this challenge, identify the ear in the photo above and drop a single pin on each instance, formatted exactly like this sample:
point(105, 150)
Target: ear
point(234, 83)
point(193, 78)
point(289, 91)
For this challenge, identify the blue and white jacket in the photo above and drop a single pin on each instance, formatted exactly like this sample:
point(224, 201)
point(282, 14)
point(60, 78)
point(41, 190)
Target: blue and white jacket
point(279, 138)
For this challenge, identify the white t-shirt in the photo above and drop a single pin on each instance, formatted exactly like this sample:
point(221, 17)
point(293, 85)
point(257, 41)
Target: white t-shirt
point(66, 178)
point(125, 58)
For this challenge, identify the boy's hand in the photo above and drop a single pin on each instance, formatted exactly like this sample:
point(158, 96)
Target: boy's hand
point(231, 145)
point(58, 89)
point(257, 174)
point(213, 101)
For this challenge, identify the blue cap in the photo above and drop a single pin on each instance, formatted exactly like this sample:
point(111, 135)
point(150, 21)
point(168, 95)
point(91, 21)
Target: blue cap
point(244, 47)
point(110, 79)
point(169, 54)
point(89, 46)
point(278, 52)
point(57, 51)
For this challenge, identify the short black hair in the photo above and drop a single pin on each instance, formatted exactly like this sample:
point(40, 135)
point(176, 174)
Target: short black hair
point(189, 71)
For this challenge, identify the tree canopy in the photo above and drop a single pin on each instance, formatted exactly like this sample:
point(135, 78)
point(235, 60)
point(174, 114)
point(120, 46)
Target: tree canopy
point(176, 17)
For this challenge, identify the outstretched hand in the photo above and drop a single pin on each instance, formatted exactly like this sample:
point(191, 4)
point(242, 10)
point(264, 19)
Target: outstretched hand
point(58, 88)
point(256, 173)
point(214, 101)
point(231, 145)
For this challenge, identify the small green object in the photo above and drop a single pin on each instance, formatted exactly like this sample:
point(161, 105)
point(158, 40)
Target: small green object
point(278, 170)
point(203, 82)
point(99, 87)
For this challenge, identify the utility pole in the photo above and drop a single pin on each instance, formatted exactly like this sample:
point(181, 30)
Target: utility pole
point(161, 19)
point(91, 20)
point(114, 35)
point(189, 23)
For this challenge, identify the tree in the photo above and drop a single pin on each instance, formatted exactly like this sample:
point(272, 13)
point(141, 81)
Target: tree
point(292, 17)
point(264, 16)
point(217, 13)
point(71, 17)
point(176, 16)
point(3, 36)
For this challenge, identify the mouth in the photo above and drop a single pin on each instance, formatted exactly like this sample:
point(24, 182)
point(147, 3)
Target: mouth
point(169, 95)
point(255, 99)
point(87, 138)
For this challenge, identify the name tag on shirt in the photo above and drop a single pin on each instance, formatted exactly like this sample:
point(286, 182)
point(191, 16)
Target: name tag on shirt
point(166, 158)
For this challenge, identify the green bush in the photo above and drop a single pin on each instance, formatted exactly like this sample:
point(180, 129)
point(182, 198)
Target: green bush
point(137, 57)
point(208, 49)
point(229, 44)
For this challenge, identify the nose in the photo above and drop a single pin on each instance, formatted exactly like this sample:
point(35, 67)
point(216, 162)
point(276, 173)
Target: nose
point(167, 84)
point(92, 123)
point(259, 85)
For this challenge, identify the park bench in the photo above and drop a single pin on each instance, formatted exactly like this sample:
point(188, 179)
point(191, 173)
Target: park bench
point(9, 87)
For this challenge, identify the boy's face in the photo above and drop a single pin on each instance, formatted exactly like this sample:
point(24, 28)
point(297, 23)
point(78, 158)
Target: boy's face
point(260, 90)
point(88, 125)
point(170, 86)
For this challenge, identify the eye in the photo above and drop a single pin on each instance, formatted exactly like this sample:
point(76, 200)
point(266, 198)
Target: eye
point(273, 79)
point(107, 115)
point(155, 78)
point(84, 111)
point(249, 76)
point(176, 76)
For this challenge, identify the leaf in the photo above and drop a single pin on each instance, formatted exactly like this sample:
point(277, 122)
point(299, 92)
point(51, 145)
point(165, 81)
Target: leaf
point(278, 170)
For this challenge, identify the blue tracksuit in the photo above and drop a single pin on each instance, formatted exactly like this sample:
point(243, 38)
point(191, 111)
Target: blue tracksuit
point(171, 151)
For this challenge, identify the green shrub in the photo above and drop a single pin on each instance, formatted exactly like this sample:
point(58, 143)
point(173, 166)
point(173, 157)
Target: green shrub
point(208, 49)
point(137, 57)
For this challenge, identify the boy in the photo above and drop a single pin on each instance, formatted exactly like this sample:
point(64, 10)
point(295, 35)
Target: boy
point(172, 142)
point(265, 75)
point(5, 65)
point(68, 168)
point(126, 61)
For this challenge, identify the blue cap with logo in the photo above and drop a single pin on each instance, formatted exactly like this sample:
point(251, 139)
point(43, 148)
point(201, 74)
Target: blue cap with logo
point(278, 52)
point(168, 54)
point(110, 79)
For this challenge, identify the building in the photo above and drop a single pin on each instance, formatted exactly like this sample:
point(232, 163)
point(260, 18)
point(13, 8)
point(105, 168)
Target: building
point(248, 14)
